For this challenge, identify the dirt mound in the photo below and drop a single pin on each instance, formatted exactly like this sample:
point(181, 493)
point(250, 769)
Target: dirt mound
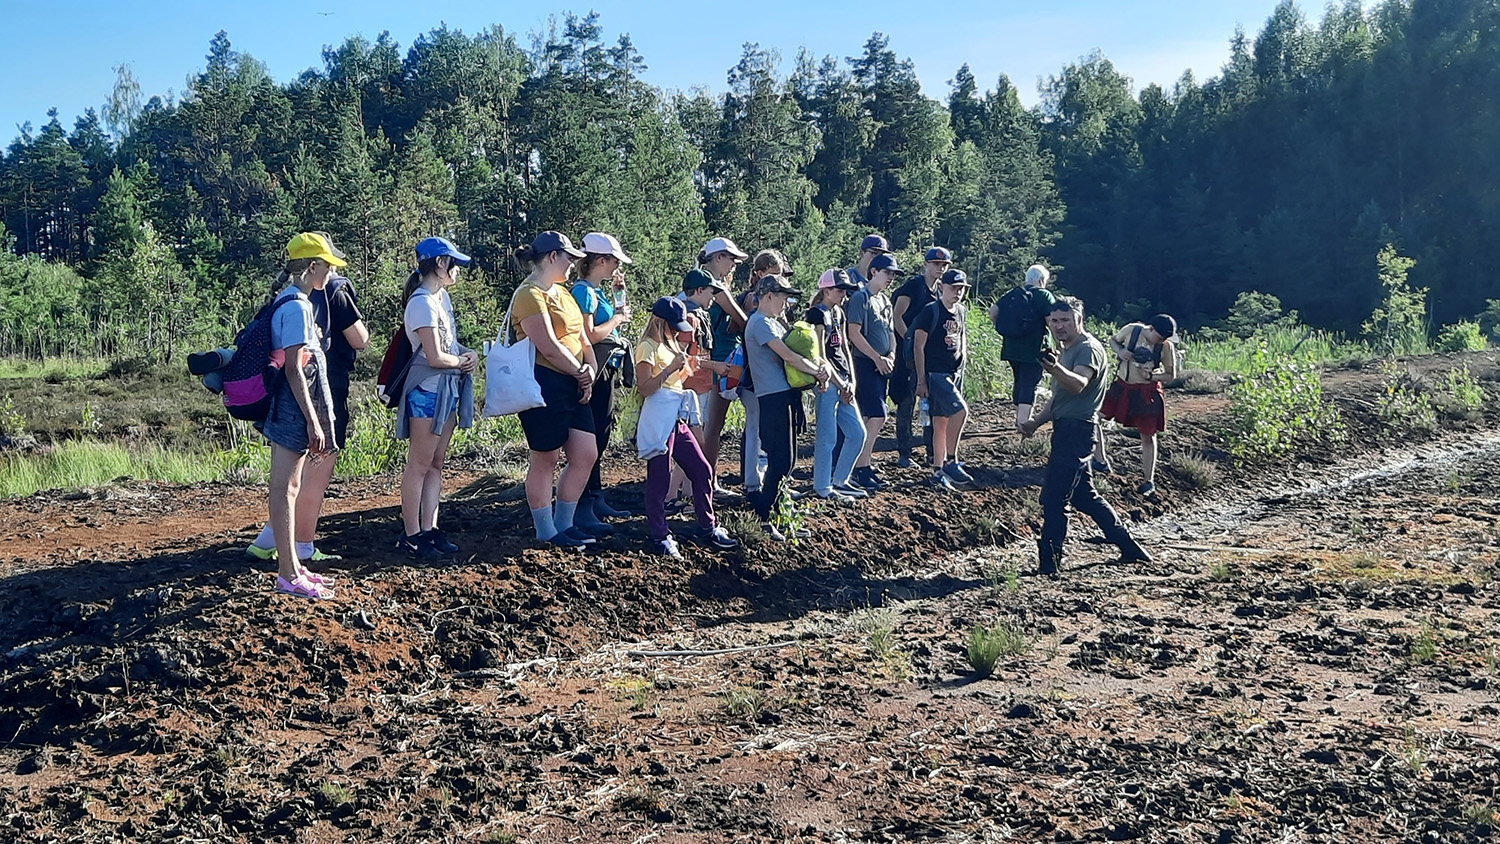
point(1312, 665)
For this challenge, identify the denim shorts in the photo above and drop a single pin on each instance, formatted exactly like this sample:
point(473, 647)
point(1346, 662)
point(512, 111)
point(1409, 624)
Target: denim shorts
point(285, 423)
point(421, 404)
point(943, 396)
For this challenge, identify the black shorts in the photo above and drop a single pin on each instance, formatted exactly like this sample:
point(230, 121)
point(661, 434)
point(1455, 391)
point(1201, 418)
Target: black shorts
point(340, 392)
point(1024, 384)
point(944, 398)
point(870, 388)
point(547, 427)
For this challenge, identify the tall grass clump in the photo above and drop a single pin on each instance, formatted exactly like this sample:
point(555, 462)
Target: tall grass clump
point(1278, 406)
point(79, 465)
point(986, 376)
point(988, 644)
point(1403, 404)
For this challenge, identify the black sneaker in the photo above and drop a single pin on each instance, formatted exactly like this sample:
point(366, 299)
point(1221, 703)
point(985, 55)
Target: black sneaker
point(595, 530)
point(439, 540)
point(571, 538)
point(418, 547)
point(865, 478)
point(904, 461)
point(955, 472)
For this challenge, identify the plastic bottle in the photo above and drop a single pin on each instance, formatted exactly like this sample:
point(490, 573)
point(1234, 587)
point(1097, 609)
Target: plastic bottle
point(619, 293)
point(922, 417)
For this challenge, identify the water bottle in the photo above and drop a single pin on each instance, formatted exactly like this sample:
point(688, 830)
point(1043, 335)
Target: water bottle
point(922, 417)
point(619, 293)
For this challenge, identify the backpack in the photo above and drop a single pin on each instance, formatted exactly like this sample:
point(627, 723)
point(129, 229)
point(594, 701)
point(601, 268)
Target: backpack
point(390, 383)
point(802, 338)
point(1015, 315)
point(252, 374)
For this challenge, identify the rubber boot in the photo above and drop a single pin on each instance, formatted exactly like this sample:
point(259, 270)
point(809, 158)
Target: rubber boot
point(1048, 559)
point(585, 518)
point(1130, 550)
point(602, 509)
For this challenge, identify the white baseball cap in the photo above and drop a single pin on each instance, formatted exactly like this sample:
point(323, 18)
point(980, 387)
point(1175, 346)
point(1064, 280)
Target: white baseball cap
point(599, 243)
point(723, 244)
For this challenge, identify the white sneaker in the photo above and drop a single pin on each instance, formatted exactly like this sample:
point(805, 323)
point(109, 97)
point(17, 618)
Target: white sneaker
point(669, 548)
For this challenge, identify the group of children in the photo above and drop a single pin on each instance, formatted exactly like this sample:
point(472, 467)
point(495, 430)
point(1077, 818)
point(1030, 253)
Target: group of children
point(856, 347)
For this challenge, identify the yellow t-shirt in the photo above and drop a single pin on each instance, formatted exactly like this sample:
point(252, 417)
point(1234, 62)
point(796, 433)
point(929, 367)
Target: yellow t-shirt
point(658, 355)
point(561, 309)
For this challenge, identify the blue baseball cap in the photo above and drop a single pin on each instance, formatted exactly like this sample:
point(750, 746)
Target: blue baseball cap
point(938, 253)
point(550, 241)
point(435, 247)
point(673, 312)
point(884, 262)
point(875, 243)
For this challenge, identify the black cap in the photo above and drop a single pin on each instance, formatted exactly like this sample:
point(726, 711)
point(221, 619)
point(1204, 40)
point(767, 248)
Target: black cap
point(955, 278)
point(775, 284)
point(1165, 325)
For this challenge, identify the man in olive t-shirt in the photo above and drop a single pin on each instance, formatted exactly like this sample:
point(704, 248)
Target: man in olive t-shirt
point(1079, 373)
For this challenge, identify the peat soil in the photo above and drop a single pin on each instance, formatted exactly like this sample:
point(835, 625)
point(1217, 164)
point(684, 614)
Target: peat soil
point(1313, 656)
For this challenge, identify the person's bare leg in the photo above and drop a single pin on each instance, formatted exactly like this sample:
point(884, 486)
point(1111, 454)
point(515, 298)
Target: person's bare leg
point(1148, 458)
point(286, 481)
point(873, 426)
point(939, 438)
point(316, 475)
point(955, 431)
point(1023, 415)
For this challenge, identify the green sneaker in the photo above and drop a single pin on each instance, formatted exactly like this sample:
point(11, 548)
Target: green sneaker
point(265, 555)
point(317, 556)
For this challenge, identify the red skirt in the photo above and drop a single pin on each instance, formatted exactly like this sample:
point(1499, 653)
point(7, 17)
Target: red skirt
point(1139, 406)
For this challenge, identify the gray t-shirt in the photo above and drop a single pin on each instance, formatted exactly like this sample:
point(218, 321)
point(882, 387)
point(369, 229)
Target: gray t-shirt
point(767, 369)
point(1085, 405)
point(872, 312)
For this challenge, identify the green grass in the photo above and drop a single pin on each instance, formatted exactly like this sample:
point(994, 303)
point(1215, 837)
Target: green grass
point(78, 465)
point(53, 369)
point(1217, 353)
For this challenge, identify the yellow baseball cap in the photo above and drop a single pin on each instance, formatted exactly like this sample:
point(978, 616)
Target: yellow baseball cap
point(314, 245)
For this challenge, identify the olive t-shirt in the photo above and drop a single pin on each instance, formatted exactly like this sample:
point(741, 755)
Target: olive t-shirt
point(1084, 406)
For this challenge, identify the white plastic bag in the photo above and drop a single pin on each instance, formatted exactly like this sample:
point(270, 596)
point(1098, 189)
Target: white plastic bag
point(510, 384)
point(657, 422)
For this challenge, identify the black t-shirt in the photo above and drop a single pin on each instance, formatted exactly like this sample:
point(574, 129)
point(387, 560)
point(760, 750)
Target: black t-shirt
point(919, 296)
point(832, 320)
point(335, 308)
point(946, 340)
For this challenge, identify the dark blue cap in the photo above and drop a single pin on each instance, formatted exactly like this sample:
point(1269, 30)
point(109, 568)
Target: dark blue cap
point(673, 312)
point(436, 247)
point(955, 278)
point(555, 242)
point(875, 243)
point(884, 262)
point(938, 253)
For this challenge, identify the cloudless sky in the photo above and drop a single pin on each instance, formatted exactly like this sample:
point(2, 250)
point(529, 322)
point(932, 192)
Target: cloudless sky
point(62, 53)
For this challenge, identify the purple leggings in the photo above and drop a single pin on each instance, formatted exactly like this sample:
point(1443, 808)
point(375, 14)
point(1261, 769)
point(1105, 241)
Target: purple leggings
point(684, 448)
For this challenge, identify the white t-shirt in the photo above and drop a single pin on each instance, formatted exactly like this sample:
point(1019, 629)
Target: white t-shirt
point(427, 309)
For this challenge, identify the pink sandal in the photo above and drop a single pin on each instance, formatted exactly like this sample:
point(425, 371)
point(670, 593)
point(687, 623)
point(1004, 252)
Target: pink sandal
point(314, 578)
point(303, 588)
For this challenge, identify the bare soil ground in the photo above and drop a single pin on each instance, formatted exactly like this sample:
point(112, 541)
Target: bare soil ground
point(1313, 656)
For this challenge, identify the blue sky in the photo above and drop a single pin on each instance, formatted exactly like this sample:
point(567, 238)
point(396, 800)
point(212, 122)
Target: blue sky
point(63, 53)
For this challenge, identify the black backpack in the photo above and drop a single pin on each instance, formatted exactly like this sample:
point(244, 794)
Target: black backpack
point(1015, 316)
point(1135, 339)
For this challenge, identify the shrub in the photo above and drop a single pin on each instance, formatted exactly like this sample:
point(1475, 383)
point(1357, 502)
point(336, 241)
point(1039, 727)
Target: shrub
point(1462, 336)
point(1194, 469)
point(1403, 404)
point(1279, 405)
point(1462, 390)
